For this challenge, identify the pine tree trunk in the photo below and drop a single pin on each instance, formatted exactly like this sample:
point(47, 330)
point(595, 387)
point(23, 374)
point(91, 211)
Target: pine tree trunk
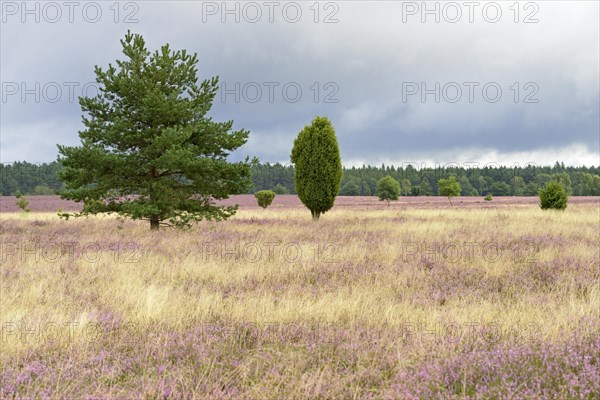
point(154, 223)
point(315, 215)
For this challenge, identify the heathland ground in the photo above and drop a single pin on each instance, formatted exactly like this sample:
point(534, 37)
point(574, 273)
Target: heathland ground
point(417, 300)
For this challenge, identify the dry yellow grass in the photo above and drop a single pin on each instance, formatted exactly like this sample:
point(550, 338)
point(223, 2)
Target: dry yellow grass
point(379, 269)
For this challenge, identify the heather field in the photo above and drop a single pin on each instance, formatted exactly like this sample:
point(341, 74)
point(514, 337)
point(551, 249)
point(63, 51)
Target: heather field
point(248, 202)
point(481, 300)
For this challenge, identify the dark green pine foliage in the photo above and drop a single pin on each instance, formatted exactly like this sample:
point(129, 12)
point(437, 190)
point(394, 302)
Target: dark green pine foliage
point(149, 150)
point(318, 166)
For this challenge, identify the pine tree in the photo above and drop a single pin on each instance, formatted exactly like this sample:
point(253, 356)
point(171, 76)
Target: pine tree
point(149, 150)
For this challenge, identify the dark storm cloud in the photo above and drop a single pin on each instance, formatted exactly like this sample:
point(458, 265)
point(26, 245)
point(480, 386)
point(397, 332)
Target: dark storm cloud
point(361, 71)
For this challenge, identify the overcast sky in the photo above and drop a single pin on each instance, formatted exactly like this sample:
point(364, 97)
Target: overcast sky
point(457, 82)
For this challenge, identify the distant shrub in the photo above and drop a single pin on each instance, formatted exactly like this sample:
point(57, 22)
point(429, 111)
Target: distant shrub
point(488, 197)
point(553, 196)
point(280, 189)
point(22, 203)
point(264, 197)
point(388, 189)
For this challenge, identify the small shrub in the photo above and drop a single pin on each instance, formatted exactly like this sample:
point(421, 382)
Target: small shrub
point(264, 197)
point(553, 196)
point(488, 197)
point(22, 203)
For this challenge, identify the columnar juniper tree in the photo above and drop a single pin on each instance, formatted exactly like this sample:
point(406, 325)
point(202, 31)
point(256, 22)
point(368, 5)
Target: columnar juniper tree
point(318, 166)
point(149, 150)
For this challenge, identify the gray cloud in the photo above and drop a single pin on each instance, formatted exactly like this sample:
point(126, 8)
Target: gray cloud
point(355, 71)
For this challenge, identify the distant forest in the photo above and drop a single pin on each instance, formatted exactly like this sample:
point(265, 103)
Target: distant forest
point(41, 179)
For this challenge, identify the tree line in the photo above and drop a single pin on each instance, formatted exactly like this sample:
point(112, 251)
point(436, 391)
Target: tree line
point(475, 181)
point(42, 179)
